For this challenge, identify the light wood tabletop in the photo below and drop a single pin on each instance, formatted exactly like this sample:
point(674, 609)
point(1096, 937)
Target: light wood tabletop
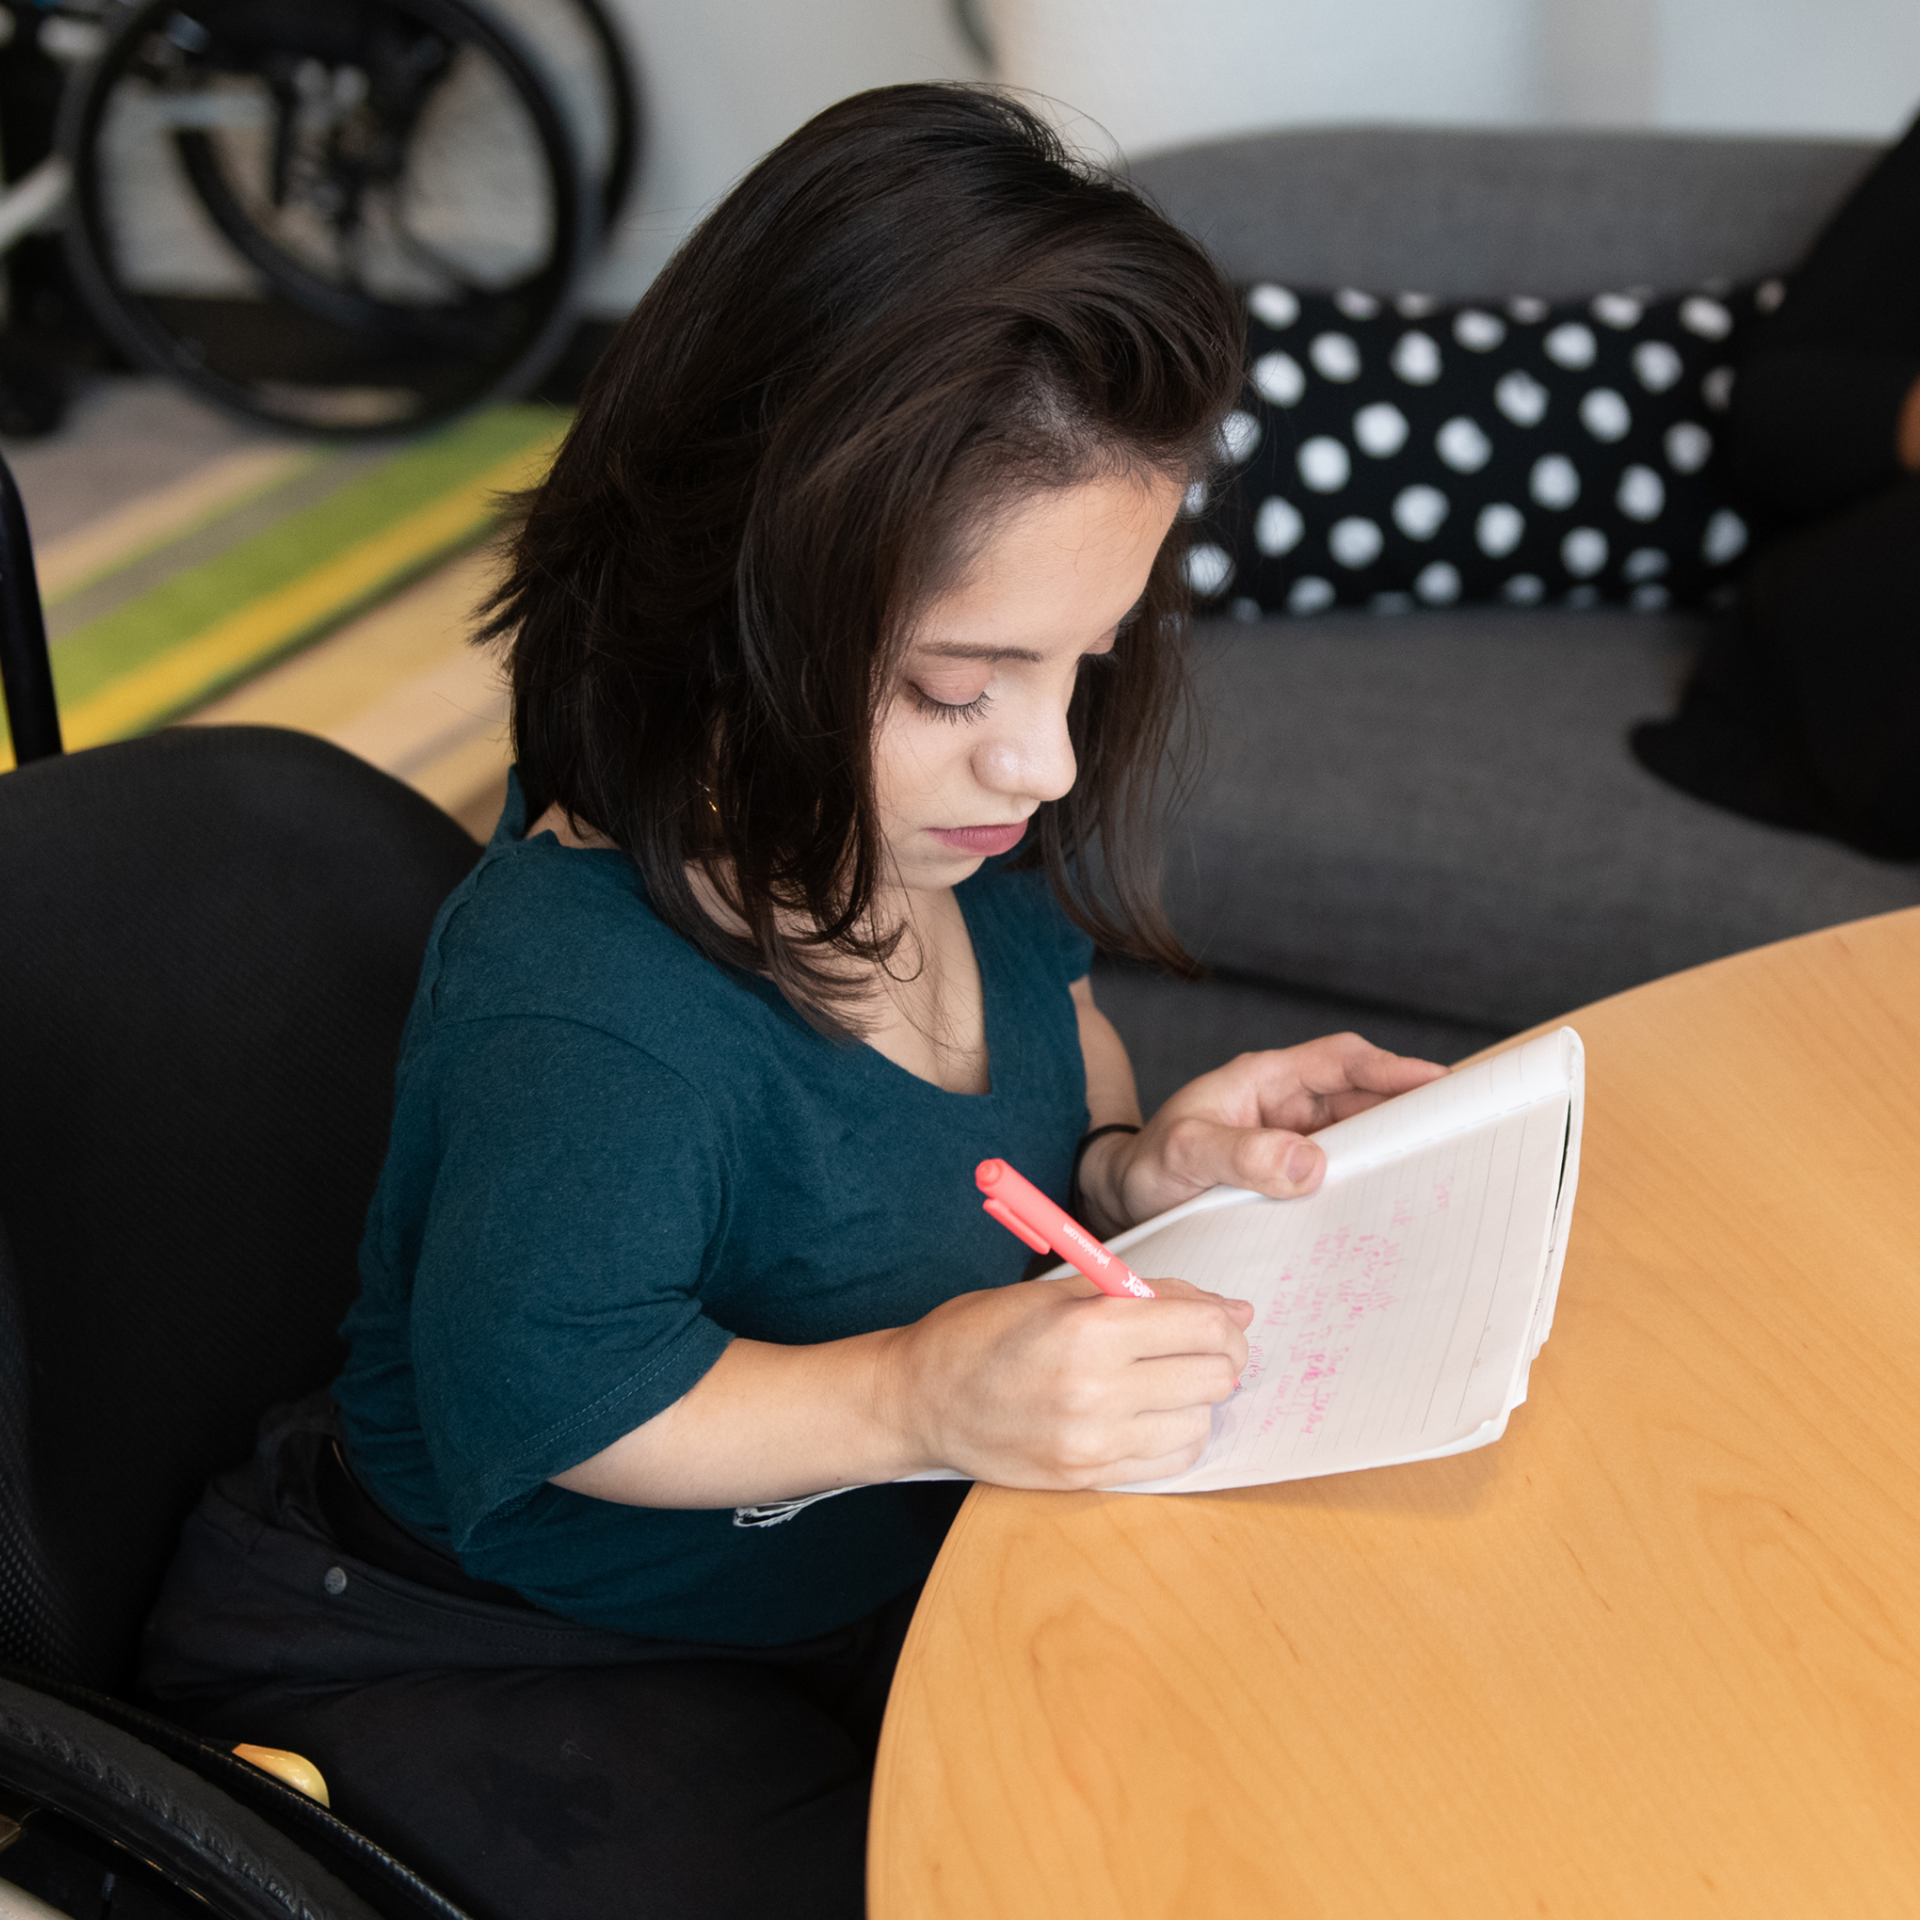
point(1656, 1652)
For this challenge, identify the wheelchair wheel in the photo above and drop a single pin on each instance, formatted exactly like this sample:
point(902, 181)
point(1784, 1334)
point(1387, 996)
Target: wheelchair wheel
point(354, 217)
point(100, 1822)
point(591, 71)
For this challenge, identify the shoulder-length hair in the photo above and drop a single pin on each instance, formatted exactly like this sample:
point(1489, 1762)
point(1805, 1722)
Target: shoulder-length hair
point(916, 308)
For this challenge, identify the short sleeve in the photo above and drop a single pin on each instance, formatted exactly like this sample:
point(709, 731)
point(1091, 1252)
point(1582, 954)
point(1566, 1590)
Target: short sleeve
point(1039, 920)
point(577, 1196)
point(1074, 948)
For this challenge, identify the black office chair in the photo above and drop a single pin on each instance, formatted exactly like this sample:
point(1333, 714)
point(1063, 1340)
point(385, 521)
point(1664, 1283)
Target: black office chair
point(208, 943)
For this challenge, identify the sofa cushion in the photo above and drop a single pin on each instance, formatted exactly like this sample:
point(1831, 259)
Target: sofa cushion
point(1513, 450)
point(1468, 215)
point(1440, 813)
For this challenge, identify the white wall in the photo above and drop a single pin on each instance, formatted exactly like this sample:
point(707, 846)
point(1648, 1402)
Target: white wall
point(1157, 72)
point(726, 79)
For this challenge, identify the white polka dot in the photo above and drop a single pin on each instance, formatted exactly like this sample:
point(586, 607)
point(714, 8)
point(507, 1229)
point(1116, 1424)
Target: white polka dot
point(1380, 429)
point(1571, 345)
point(1524, 590)
point(1499, 529)
point(1278, 379)
point(1527, 310)
point(1355, 304)
point(1390, 603)
point(1209, 568)
point(1656, 365)
point(1688, 446)
point(1650, 598)
point(1644, 563)
point(1616, 310)
point(1239, 435)
point(1521, 398)
point(1354, 542)
point(1717, 389)
point(1605, 415)
point(1273, 306)
point(1641, 493)
point(1708, 318)
point(1477, 330)
point(1324, 464)
point(1414, 306)
point(1419, 511)
point(1242, 607)
point(1768, 295)
point(1416, 359)
point(1194, 502)
point(1554, 482)
point(1310, 594)
point(1438, 585)
point(1583, 597)
point(1462, 445)
point(1726, 537)
point(1335, 357)
point(1584, 552)
point(1277, 527)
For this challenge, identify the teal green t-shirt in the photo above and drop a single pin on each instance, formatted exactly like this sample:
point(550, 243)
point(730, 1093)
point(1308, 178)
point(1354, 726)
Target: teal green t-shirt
point(609, 1156)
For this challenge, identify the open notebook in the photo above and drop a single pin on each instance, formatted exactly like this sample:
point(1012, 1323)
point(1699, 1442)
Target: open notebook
point(1398, 1308)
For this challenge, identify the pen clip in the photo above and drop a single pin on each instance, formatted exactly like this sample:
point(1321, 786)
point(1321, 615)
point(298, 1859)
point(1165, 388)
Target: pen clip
point(1014, 1224)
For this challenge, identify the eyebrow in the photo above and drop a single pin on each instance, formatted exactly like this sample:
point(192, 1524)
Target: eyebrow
point(957, 650)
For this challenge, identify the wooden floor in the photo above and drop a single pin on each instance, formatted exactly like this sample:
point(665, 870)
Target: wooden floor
point(400, 685)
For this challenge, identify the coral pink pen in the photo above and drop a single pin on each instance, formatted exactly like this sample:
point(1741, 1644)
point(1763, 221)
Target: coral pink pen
point(1024, 1210)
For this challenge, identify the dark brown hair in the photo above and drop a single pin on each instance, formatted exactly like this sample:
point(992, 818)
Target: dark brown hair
point(917, 307)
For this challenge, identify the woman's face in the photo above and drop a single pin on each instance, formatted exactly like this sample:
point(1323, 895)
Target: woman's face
point(974, 736)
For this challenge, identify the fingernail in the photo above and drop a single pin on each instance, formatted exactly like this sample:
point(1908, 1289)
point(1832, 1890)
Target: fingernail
point(1300, 1162)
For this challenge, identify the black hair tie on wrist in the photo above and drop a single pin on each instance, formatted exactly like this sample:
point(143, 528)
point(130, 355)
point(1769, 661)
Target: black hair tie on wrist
point(1074, 1196)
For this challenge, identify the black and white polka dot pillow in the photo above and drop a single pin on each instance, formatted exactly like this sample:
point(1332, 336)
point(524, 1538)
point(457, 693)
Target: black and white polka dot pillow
point(1393, 452)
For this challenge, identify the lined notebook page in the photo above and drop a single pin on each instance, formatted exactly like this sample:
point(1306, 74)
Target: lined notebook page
point(1397, 1309)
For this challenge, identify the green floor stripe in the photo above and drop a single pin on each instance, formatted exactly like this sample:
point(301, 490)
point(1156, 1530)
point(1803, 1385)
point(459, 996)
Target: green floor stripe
point(331, 469)
point(140, 630)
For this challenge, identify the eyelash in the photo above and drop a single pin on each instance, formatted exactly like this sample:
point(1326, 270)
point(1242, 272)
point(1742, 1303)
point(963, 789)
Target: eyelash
point(954, 715)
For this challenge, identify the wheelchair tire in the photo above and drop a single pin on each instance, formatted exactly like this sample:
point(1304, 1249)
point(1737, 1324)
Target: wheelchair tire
point(590, 27)
point(81, 1774)
point(286, 321)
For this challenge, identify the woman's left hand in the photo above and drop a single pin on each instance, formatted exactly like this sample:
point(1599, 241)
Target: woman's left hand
point(1243, 1125)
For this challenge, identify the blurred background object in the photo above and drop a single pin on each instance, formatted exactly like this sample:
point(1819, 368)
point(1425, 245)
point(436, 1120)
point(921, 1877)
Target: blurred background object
point(188, 554)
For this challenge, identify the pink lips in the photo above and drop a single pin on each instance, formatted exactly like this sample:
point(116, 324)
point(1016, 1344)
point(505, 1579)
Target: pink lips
point(982, 840)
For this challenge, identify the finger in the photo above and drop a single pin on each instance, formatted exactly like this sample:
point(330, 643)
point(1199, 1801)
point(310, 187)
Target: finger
point(1174, 1382)
point(1169, 1287)
point(1155, 1461)
point(1347, 1072)
point(1159, 1329)
point(1271, 1160)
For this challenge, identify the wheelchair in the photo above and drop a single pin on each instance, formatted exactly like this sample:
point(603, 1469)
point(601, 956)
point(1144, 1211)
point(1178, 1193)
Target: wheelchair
point(208, 944)
point(342, 216)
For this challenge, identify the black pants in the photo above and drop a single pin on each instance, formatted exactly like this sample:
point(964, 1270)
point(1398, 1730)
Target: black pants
point(531, 1768)
point(1806, 708)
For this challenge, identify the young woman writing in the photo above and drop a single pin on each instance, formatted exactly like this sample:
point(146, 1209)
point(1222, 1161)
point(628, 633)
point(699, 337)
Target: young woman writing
point(844, 632)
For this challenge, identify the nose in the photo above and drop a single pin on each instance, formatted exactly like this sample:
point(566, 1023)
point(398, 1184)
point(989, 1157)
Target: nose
point(1032, 760)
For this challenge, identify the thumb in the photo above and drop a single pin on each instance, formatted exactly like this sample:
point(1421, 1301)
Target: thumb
point(1267, 1160)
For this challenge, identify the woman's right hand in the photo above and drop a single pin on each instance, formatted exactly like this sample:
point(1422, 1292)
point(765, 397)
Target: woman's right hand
point(1051, 1383)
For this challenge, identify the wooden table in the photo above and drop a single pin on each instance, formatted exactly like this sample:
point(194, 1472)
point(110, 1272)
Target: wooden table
point(1657, 1652)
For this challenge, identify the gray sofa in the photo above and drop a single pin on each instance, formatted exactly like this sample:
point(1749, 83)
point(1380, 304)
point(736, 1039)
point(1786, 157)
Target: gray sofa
point(1428, 826)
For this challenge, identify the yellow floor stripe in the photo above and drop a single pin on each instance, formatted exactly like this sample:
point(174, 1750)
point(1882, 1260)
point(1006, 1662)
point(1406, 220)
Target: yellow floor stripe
point(119, 538)
point(364, 659)
point(256, 632)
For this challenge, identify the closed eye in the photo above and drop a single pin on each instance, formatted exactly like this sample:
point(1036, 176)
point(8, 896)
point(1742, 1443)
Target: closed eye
point(955, 713)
